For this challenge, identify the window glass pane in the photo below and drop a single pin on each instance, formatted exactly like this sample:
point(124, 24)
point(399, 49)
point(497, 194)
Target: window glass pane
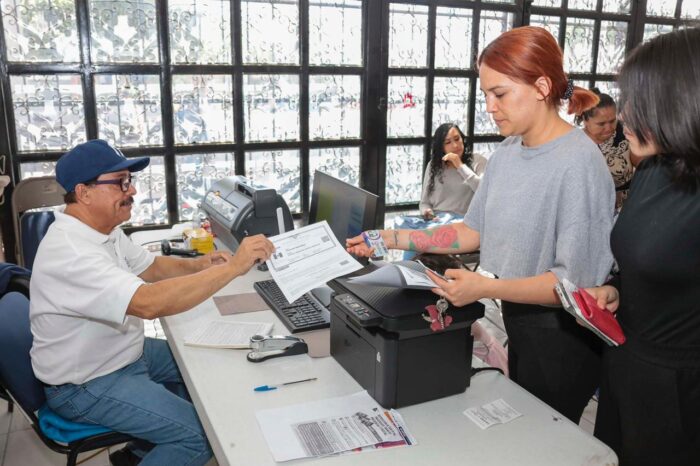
point(48, 111)
point(279, 169)
point(334, 107)
point(406, 106)
point(582, 4)
point(32, 169)
point(202, 108)
point(404, 177)
point(485, 149)
point(408, 36)
point(617, 6)
point(690, 9)
point(200, 31)
point(653, 30)
point(661, 7)
point(123, 32)
point(271, 107)
point(492, 24)
point(335, 32)
point(499, 1)
point(453, 38)
point(451, 102)
point(128, 109)
point(578, 56)
point(270, 32)
point(40, 31)
point(610, 88)
point(611, 52)
point(483, 123)
point(550, 23)
point(551, 3)
point(195, 175)
point(340, 162)
point(150, 206)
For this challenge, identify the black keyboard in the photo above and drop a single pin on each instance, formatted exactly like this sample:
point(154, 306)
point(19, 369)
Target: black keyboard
point(304, 314)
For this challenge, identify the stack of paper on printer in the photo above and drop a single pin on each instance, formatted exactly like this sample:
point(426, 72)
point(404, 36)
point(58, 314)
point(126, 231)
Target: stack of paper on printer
point(226, 334)
point(346, 424)
point(401, 274)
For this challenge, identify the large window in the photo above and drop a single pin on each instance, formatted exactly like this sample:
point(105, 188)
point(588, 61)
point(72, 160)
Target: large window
point(274, 89)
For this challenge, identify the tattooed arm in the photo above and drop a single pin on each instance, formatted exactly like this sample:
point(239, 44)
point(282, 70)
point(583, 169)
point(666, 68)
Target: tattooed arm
point(453, 238)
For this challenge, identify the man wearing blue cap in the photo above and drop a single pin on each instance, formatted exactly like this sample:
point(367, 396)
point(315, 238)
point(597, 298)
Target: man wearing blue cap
point(90, 290)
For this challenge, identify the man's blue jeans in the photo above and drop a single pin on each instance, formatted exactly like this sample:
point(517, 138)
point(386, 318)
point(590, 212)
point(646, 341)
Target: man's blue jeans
point(134, 401)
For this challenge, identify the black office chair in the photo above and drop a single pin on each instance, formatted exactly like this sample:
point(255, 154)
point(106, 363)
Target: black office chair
point(18, 380)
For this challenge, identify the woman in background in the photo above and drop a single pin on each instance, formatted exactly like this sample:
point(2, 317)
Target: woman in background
point(543, 212)
point(649, 408)
point(452, 175)
point(601, 125)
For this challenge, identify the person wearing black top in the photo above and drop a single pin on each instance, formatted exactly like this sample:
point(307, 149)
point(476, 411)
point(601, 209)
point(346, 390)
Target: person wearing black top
point(649, 407)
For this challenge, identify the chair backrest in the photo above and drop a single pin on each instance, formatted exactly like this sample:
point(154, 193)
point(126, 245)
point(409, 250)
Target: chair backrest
point(30, 227)
point(16, 374)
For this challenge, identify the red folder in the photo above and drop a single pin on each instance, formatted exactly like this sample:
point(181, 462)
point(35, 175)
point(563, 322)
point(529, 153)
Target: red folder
point(583, 306)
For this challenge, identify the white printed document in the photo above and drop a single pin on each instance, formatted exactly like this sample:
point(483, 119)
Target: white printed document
point(332, 426)
point(496, 412)
point(307, 258)
point(226, 334)
point(401, 274)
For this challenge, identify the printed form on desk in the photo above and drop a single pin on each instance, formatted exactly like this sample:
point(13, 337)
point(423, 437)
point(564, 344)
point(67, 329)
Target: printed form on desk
point(226, 334)
point(347, 424)
point(307, 258)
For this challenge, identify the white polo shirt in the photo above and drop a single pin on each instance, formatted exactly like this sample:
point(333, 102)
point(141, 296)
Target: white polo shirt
point(81, 285)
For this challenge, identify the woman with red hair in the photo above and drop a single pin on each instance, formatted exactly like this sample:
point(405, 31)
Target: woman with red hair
point(543, 212)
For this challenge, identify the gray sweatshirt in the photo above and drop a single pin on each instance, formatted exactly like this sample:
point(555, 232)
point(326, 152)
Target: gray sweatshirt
point(546, 208)
point(455, 192)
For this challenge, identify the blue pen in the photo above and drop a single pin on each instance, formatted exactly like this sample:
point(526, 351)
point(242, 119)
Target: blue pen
point(267, 388)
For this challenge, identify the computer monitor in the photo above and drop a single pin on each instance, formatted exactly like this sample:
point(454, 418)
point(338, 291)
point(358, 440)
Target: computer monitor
point(348, 209)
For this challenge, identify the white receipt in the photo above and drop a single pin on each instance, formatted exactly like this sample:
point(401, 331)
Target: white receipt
point(496, 412)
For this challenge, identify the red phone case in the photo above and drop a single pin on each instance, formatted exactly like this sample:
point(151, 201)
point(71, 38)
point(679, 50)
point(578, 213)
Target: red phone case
point(602, 319)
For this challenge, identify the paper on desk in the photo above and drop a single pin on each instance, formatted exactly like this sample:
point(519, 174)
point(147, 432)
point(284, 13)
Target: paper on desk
point(496, 412)
point(401, 274)
point(307, 258)
point(326, 427)
point(226, 334)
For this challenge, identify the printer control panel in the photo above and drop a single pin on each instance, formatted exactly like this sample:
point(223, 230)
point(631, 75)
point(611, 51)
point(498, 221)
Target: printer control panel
point(357, 311)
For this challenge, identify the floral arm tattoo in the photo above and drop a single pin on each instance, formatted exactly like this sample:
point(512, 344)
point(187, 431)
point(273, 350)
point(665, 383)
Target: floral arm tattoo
point(444, 237)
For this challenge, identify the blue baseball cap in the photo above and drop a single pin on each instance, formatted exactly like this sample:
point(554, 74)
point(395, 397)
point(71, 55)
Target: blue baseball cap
point(88, 160)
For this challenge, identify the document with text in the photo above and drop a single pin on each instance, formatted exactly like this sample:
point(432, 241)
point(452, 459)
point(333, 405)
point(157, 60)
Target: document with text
point(333, 426)
point(226, 334)
point(307, 258)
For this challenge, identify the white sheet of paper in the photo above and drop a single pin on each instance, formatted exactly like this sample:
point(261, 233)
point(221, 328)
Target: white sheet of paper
point(227, 334)
point(496, 412)
point(324, 427)
point(307, 258)
point(401, 274)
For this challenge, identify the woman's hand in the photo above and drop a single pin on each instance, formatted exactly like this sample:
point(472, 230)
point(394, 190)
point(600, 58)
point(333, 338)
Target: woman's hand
point(357, 246)
point(606, 296)
point(452, 159)
point(461, 287)
point(428, 214)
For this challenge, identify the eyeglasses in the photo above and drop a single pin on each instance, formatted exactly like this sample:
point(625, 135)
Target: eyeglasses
point(124, 183)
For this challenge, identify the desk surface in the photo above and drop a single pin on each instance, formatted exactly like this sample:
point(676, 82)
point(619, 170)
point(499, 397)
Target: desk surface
point(221, 385)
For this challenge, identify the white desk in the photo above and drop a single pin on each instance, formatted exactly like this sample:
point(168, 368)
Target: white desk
point(221, 385)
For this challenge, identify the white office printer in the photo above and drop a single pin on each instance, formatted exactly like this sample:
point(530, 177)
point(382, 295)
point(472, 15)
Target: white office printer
point(238, 208)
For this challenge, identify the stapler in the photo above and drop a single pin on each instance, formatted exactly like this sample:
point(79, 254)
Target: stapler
point(266, 347)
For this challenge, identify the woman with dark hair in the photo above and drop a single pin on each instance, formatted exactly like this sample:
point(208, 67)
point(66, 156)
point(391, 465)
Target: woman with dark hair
point(452, 175)
point(543, 212)
point(601, 125)
point(649, 409)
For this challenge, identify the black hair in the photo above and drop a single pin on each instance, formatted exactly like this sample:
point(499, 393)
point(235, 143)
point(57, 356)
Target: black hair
point(660, 101)
point(438, 151)
point(604, 102)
